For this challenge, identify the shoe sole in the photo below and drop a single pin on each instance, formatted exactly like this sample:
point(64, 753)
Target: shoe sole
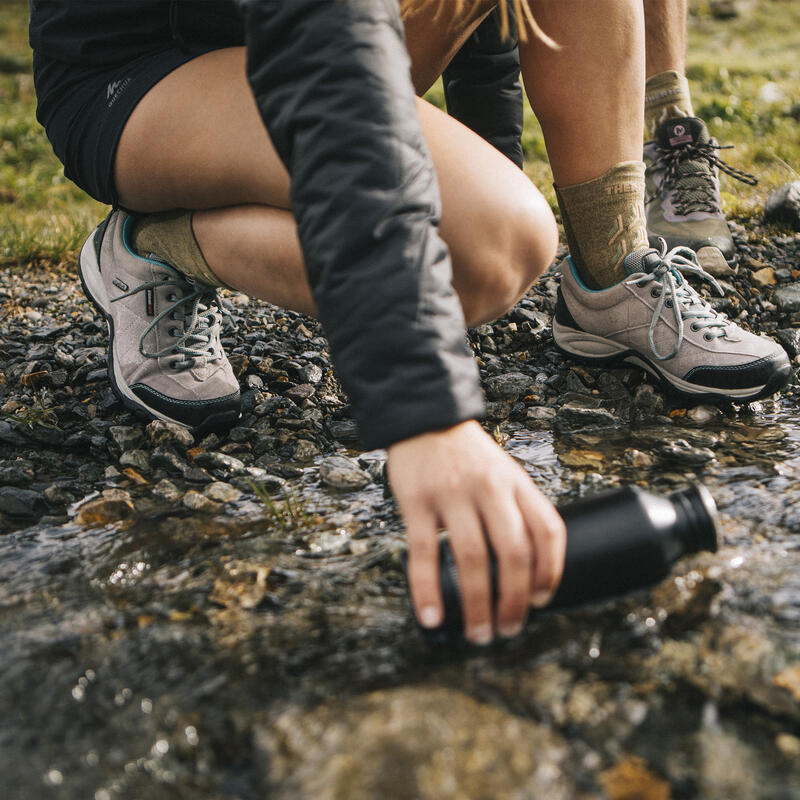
point(93, 288)
point(593, 349)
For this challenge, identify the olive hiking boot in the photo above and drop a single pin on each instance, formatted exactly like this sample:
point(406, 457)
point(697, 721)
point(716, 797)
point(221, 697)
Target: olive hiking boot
point(682, 191)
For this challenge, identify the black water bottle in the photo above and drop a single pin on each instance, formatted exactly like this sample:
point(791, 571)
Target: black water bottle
point(617, 541)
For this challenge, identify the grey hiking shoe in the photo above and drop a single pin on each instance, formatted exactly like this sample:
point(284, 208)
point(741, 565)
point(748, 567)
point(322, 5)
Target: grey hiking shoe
point(165, 359)
point(655, 320)
point(682, 183)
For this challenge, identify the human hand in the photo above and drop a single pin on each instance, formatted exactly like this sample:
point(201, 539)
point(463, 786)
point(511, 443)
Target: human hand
point(460, 480)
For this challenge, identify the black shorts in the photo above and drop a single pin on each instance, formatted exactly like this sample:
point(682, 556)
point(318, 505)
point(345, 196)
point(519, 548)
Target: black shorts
point(84, 110)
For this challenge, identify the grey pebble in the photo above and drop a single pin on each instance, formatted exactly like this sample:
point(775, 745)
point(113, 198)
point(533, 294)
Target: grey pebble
point(343, 474)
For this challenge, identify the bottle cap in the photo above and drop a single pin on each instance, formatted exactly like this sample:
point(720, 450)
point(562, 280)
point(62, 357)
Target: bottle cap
point(697, 518)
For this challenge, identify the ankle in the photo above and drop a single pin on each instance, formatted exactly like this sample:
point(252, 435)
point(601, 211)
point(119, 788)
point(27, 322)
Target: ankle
point(169, 236)
point(666, 96)
point(604, 221)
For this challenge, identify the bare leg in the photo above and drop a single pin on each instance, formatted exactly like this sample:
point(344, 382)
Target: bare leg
point(665, 36)
point(497, 225)
point(588, 95)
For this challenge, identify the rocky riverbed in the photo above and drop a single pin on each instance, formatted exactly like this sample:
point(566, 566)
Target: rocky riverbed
point(226, 617)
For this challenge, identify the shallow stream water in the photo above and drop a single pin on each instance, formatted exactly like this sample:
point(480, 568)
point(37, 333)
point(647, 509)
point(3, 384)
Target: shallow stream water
point(236, 655)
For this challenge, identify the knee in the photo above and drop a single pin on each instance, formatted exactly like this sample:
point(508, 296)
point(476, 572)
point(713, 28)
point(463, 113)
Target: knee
point(516, 251)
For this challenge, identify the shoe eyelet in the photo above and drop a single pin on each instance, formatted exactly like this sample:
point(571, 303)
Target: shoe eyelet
point(174, 332)
point(173, 364)
point(171, 298)
point(655, 293)
point(707, 336)
point(694, 327)
point(668, 303)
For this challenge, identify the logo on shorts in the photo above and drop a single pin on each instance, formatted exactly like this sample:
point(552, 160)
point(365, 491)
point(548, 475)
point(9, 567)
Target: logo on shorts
point(115, 89)
point(679, 136)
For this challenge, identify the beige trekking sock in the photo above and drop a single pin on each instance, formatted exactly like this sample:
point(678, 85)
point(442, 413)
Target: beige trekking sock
point(666, 96)
point(604, 221)
point(169, 236)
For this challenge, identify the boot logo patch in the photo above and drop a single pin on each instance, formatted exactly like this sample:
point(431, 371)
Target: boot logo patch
point(679, 136)
point(120, 284)
point(150, 300)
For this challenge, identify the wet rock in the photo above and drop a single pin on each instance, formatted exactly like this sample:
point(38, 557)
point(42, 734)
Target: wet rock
point(540, 414)
point(573, 383)
point(58, 496)
point(19, 472)
point(686, 600)
point(421, 743)
point(343, 474)
point(219, 464)
point(138, 459)
point(703, 414)
point(306, 451)
point(166, 459)
point(787, 298)
point(112, 505)
point(343, 430)
point(509, 386)
point(16, 502)
point(126, 437)
point(611, 386)
point(160, 432)
point(272, 484)
point(498, 410)
point(222, 492)
point(649, 400)
point(681, 451)
point(195, 501)
point(166, 490)
point(790, 339)
point(636, 458)
point(574, 416)
point(783, 205)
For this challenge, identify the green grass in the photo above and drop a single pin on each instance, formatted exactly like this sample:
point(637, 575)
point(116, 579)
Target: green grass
point(44, 218)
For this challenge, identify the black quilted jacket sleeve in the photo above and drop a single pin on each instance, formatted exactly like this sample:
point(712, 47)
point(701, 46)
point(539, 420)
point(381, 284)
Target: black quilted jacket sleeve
point(331, 80)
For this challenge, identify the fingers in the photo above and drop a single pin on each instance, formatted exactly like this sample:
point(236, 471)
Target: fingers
point(472, 562)
point(423, 565)
point(548, 532)
point(513, 551)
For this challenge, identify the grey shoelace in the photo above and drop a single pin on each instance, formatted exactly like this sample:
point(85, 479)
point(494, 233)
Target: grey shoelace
point(689, 171)
point(675, 293)
point(201, 325)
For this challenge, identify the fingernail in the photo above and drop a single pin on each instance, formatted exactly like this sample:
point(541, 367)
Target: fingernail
point(512, 629)
point(429, 617)
point(480, 634)
point(541, 598)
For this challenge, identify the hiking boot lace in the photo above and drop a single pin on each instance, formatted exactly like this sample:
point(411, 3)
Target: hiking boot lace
point(675, 293)
point(199, 313)
point(689, 171)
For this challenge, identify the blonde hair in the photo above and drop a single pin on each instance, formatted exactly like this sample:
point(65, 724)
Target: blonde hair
point(524, 15)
